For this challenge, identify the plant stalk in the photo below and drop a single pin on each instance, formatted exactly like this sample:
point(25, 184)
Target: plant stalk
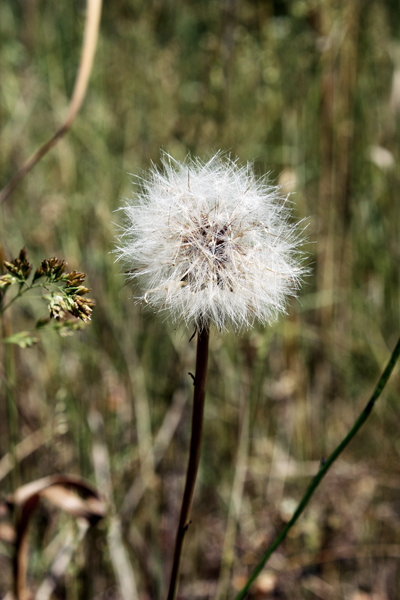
point(323, 470)
point(194, 457)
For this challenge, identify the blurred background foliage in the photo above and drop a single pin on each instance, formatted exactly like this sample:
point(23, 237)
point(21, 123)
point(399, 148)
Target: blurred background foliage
point(310, 91)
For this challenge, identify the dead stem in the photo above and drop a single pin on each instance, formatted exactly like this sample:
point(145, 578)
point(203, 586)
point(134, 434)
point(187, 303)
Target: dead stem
point(79, 93)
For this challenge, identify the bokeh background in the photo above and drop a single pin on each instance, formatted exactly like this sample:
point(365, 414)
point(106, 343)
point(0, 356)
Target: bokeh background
point(310, 91)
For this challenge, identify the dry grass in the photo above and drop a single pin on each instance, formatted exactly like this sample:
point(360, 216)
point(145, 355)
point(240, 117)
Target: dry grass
point(311, 92)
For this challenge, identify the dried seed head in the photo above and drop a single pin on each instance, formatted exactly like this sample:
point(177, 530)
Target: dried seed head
point(20, 267)
point(208, 243)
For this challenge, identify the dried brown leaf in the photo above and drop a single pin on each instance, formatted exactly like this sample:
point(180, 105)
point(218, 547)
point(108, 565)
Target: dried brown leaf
point(57, 489)
point(61, 490)
point(7, 533)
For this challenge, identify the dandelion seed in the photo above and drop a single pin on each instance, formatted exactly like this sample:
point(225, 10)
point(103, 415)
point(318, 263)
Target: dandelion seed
point(207, 242)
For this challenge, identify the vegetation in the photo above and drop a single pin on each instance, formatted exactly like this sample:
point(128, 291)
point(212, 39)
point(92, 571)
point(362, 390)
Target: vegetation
point(310, 91)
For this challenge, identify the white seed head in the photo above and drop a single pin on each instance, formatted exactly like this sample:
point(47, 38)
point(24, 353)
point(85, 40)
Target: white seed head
point(207, 243)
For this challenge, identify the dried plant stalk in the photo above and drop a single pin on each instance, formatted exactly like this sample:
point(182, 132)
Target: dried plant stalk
point(85, 68)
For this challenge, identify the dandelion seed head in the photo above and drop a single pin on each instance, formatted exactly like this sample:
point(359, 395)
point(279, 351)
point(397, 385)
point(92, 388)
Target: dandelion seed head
point(208, 243)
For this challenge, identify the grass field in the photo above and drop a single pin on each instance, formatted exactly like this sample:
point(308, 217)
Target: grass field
point(310, 92)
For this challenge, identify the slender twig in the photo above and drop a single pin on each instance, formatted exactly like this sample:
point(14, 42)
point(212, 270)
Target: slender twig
point(78, 95)
point(194, 456)
point(20, 293)
point(25, 287)
point(324, 469)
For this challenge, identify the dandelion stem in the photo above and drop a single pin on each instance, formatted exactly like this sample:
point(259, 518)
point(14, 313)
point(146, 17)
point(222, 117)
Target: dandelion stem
point(323, 470)
point(194, 456)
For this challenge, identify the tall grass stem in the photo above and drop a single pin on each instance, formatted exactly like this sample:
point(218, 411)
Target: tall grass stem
point(324, 469)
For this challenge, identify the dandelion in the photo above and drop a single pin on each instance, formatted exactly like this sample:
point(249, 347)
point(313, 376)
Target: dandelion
point(208, 243)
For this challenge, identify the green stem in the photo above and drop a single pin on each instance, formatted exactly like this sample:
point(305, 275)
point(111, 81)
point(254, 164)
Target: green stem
point(28, 288)
point(21, 292)
point(324, 469)
point(194, 457)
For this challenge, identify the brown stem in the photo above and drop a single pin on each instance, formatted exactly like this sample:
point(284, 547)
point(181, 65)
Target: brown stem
point(194, 456)
point(78, 95)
